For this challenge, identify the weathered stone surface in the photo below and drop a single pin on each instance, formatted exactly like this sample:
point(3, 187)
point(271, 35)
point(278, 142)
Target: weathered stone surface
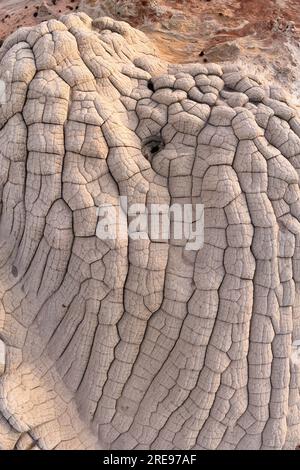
point(129, 343)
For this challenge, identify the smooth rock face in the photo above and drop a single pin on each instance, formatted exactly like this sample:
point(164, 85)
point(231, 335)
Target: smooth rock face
point(136, 343)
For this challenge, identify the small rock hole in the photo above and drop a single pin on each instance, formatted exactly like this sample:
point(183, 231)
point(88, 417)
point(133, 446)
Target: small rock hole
point(150, 85)
point(151, 147)
point(154, 149)
point(14, 271)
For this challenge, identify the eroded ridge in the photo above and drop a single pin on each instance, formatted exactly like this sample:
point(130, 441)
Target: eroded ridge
point(138, 343)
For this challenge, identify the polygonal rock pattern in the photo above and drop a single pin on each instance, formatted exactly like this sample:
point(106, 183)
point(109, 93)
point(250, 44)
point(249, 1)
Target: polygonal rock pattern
point(142, 344)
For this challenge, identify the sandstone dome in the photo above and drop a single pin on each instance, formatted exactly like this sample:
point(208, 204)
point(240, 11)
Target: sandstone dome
point(140, 344)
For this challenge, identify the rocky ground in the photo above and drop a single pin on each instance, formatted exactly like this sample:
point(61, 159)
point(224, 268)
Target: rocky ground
point(263, 34)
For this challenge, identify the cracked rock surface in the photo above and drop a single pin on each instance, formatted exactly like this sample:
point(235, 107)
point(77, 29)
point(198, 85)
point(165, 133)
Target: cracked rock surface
point(140, 344)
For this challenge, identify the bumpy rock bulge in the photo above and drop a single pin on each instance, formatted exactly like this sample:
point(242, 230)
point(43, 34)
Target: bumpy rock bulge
point(139, 343)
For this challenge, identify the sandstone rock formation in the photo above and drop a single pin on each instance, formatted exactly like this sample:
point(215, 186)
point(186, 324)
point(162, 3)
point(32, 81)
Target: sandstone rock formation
point(141, 344)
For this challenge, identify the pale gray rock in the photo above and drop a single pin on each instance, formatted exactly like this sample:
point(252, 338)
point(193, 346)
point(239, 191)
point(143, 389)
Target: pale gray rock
point(129, 344)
